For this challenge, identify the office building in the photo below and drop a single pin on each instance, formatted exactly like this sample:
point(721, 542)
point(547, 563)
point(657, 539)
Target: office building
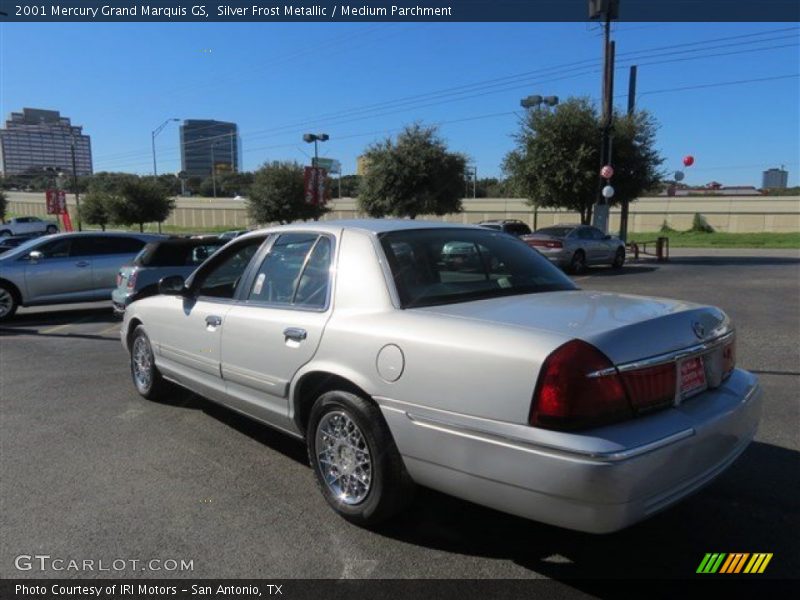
point(34, 140)
point(775, 179)
point(208, 145)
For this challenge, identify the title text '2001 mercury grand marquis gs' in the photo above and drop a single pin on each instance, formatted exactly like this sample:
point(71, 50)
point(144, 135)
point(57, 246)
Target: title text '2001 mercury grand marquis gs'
point(486, 375)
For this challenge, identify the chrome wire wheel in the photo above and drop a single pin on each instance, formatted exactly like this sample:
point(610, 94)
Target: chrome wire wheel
point(142, 361)
point(343, 457)
point(6, 302)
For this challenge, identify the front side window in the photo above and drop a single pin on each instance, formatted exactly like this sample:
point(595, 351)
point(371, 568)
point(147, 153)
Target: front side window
point(295, 273)
point(56, 249)
point(223, 276)
point(441, 266)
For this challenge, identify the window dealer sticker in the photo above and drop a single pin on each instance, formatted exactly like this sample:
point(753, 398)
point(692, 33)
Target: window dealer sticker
point(259, 284)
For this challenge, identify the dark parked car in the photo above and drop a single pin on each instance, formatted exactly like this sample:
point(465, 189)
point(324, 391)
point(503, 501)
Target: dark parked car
point(512, 226)
point(162, 258)
point(9, 242)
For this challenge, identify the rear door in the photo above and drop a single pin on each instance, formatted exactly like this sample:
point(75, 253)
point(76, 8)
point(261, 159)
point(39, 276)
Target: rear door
point(605, 247)
point(109, 253)
point(277, 327)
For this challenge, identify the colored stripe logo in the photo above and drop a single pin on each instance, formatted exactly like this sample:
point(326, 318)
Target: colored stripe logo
point(735, 562)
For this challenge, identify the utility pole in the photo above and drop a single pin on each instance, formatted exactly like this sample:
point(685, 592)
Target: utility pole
point(623, 217)
point(608, 9)
point(75, 184)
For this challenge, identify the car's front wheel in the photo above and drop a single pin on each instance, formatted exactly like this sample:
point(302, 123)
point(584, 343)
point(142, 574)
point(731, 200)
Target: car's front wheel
point(8, 302)
point(146, 377)
point(355, 460)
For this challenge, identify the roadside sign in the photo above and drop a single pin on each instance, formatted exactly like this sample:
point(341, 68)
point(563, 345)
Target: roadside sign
point(331, 165)
point(56, 202)
point(607, 172)
point(314, 185)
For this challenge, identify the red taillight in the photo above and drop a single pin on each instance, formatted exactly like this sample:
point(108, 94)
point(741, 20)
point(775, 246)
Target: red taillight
point(652, 387)
point(728, 357)
point(546, 244)
point(567, 397)
point(132, 279)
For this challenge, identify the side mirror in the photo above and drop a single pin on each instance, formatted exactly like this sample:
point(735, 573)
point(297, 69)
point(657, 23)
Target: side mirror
point(174, 285)
point(35, 255)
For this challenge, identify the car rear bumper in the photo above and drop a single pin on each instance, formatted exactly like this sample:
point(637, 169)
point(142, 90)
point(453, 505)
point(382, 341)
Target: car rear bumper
point(566, 483)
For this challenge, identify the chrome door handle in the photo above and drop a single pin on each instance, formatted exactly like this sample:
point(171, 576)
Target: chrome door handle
point(213, 321)
point(82, 263)
point(295, 333)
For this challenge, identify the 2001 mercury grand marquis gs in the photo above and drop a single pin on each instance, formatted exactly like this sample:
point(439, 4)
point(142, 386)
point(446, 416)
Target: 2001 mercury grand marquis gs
point(487, 375)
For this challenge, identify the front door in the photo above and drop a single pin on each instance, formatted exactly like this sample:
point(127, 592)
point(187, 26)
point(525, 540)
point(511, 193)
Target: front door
point(58, 275)
point(278, 325)
point(189, 328)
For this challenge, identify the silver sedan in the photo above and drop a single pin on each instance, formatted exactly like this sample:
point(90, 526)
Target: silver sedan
point(493, 379)
point(575, 247)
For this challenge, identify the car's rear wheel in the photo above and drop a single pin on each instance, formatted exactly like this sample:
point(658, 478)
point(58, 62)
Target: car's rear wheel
point(146, 377)
point(5, 232)
point(52, 229)
point(355, 460)
point(8, 302)
point(619, 258)
point(578, 263)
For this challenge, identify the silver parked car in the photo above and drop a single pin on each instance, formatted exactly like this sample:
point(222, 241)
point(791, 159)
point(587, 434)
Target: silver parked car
point(495, 380)
point(574, 247)
point(63, 268)
point(159, 259)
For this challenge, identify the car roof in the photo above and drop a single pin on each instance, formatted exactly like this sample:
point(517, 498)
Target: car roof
point(141, 236)
point(367, 225)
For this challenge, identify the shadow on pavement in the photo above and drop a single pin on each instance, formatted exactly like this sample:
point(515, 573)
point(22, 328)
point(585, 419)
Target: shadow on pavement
point(754, 507)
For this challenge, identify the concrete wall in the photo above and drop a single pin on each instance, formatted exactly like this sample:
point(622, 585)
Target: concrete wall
point(735, 214)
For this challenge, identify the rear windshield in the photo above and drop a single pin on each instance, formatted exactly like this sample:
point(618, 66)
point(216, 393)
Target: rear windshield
point(442, 266)
point(555, 231)
point(177, 253)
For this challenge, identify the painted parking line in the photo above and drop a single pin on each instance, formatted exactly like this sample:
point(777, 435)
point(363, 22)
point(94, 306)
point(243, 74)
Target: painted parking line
point(113, 329)
point(65, 325)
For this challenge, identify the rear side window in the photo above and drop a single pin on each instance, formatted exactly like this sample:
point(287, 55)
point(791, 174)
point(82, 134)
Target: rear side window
point(517, 229)
point(295, 273)
point(442, 266)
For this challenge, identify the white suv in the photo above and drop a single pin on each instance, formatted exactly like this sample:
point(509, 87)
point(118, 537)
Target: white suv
point(20, 225)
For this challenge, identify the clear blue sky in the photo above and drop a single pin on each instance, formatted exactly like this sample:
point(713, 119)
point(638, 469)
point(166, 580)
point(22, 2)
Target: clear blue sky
point(278, 80)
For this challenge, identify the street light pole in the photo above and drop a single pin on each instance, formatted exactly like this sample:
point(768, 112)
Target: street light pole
point(75, 185)
point(153, 135)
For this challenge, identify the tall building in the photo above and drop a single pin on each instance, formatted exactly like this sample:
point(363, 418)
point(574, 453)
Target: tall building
point(775, 178)
point(207, 145)
point(37, 139)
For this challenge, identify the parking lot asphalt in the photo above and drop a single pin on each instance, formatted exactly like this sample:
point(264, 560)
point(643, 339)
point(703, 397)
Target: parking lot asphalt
point(90, 470)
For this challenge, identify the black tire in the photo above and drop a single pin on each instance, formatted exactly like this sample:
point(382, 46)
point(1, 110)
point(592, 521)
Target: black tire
point(52, 229)
point(577, 264)
point(389, 488)
point(5, 232)
point(619, 258)
point(8, 302)
point(154, 387)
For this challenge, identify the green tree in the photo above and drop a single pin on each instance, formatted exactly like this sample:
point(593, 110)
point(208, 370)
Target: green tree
point(139, 202)
point(557, 157)
point(350, 185)
point(95, 208)
point(3, 207)
point(416, 175)
point(278, 195)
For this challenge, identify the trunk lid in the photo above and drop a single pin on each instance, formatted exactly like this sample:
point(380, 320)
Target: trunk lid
point(624, 327)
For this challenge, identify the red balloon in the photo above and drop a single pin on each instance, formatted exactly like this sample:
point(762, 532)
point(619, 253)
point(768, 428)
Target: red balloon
point(688, 161)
